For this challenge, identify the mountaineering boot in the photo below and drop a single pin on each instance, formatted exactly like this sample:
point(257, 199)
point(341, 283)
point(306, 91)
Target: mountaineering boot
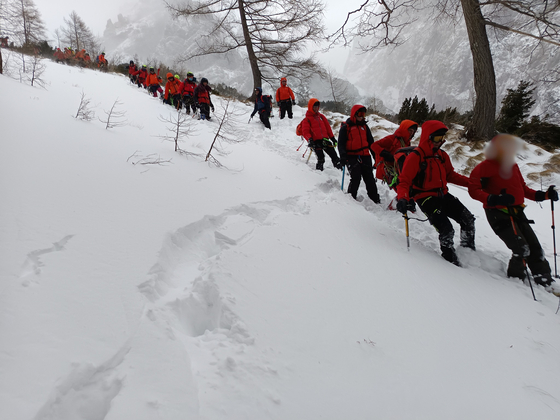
point(553, 288)
point(319, 166)
point(450, 255)
point(375, 198)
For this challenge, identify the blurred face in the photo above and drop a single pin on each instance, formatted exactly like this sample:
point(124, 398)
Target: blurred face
point(411, 132)
point(284, 82)
point(503, 149)
point(316, 107)
point(170, 79)
point(152, 71)
point(360, 116)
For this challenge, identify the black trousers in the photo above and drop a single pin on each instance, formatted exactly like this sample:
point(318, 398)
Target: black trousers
point(439, 209)
point(361, 167)
point(320, 150)
point(264, 116)
point(286, 105)
point(204, 111)
point(524, 245)
point(188, 100)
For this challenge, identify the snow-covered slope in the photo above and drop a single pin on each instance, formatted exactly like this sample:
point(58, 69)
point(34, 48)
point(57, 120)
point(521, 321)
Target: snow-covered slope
point(260, 291)
point(435, 62)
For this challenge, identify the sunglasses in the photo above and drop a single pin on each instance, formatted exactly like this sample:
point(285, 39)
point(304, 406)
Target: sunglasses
point(438, 139)
point(361, 115)
point(170, 78)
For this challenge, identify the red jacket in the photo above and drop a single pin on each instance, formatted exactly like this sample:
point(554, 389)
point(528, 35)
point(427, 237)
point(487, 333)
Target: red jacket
point(132, 70)
point(284, 92)
point(391, 143)
point(485, 179)
point(188, 87)
point(173, 88)
point(354, 139)
point(142, 74)
point(438, 168)
point(59, 54)
point(315, 125)
point(202, 93)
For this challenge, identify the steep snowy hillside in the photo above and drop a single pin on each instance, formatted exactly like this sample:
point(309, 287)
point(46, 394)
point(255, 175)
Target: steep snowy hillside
point(262, 291)
point(435, 62)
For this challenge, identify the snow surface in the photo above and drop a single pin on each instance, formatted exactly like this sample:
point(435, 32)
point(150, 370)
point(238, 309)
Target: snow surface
point(259, 291)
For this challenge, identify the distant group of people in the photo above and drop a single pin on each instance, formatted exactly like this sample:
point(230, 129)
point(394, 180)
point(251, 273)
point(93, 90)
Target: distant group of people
point(80, 57)
point(187, 93)
point(420, 176)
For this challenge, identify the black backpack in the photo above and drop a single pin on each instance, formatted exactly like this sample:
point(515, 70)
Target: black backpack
point(267, 101)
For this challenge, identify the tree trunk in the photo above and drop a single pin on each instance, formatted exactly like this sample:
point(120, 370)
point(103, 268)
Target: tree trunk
point(1, 63)
point(484, 113)
point(257, 77)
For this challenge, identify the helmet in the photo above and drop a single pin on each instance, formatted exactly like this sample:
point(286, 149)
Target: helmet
point(102, 53)
point(190, 74)
point(143, 66)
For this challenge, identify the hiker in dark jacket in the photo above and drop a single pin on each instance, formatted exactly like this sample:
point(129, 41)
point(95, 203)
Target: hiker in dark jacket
point(262, 107)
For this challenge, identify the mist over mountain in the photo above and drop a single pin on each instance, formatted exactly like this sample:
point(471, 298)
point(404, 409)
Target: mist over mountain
point(435, 62)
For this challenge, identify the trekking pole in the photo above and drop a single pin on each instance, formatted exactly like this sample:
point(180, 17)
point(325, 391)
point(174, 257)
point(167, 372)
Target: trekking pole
point(310, 153)
point(510, 211)
point(303, 141)
point(554, 237)
point(342, 184)
point(406, 230)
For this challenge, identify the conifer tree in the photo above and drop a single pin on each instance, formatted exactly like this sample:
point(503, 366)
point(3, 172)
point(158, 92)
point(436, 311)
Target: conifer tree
point(516, 106)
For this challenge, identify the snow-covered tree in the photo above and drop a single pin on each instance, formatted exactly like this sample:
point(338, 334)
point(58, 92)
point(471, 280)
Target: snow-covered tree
point(77, 35)
point(25, 22)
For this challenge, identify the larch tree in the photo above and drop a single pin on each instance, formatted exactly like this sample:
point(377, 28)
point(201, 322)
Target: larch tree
point(26, 23)
point(385, 21)
point(77, 35)
point(273, 33)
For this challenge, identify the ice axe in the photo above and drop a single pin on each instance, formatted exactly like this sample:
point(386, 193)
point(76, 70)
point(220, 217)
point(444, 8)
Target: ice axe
point(407, 231)
point(342, 184)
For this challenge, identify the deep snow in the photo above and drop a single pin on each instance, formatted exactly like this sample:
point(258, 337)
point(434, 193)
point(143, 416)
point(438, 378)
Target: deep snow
point(259, 291)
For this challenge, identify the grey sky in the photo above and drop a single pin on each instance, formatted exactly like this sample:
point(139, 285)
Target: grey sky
point(95, 13)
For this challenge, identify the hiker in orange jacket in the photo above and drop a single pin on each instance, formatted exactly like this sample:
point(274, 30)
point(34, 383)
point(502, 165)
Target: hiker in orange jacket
point(101, 61)
point(152, 83)
point(58, 55)
point(173, 89)
point(285, 98)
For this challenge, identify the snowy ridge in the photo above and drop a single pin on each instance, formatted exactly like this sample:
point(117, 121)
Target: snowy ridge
point(144, 292)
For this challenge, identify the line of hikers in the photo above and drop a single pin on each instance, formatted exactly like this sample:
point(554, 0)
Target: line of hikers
point(419, 175)
point(81, 58)
point(285, 98)
point(188, 93)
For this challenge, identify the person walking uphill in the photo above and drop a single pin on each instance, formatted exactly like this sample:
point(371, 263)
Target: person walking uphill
point(189, 84)
point(424, 178)
point(202, 99)
point(317, 131)
point(285, 98)
point(497, 183)
point(173, 89)
point(354, 143)
point(385, 148)
point(263, 107)
point(152, 83)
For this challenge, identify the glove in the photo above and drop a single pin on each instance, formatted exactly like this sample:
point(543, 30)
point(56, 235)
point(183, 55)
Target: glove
point(252, 115)
point(333, 141)
point(404, 205)
point(387, 156)
point(212, 108)
point(197, 105)
point(551, 193)
point(310, 144)
point(343, 162)
point(293, 101)
point(501, 200)
point(278, 104)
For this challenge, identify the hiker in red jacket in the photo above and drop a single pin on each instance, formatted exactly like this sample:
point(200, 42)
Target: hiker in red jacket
point(59, 55)
point(318, 133)
point(202, 99)
point(497, 183)
point(189, 84)
point(424, 178)
point(132, 69)
point(141, 76)
point(285, 98)
point(385, 148)
point(354, 143)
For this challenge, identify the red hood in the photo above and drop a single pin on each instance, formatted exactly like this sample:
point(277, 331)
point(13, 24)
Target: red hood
point(402, 131)
point(353, 111)
point(428, 128)
point(283, 81)
point(310, 104)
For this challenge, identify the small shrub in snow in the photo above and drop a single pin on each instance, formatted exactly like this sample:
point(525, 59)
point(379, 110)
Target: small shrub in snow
point(227, 126)
point(114, 117)
point(84, 111)
point(180, 126)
